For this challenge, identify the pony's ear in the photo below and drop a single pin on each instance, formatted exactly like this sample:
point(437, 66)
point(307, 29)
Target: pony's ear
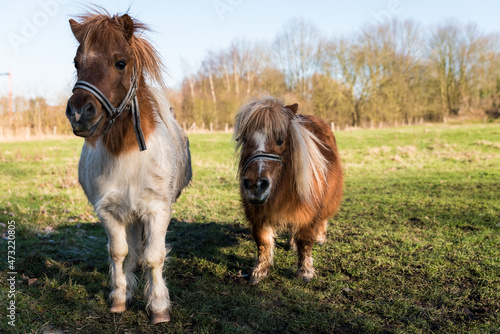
point(293, 107)
point(128, 26)
point(77, 30)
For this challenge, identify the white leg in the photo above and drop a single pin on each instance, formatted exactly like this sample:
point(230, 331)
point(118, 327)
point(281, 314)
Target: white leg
point(118, 250)
point(156, 292)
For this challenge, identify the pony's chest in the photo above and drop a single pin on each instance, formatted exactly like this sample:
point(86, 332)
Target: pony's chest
point(129, 181)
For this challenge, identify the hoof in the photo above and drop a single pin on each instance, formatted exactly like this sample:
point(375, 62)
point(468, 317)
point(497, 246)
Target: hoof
point(254, 280)
point(258, 274)
point(321, 239)
point(159, 317)
point(306, 275)
point(118, 307)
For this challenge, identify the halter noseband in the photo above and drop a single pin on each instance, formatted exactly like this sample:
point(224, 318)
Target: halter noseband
point(262, 156)
point(130, 100)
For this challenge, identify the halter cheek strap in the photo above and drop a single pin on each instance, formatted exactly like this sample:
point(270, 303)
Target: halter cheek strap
point(129, 101)
point(262, 156)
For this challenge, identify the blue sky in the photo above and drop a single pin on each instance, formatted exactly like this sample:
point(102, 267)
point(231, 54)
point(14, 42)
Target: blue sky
point(38, 47)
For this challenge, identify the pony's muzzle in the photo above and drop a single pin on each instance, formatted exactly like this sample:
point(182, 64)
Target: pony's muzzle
point(82, 118)
point(257, 192)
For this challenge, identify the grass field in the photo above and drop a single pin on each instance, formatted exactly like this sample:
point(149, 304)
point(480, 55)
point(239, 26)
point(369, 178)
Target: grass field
point(415, 247)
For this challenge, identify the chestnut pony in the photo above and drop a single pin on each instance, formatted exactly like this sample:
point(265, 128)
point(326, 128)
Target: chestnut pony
point(135, 160)
point(290, 177)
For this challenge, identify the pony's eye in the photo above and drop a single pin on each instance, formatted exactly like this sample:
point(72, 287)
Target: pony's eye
point(120, 65)
point(76, 64)
point(279, 142)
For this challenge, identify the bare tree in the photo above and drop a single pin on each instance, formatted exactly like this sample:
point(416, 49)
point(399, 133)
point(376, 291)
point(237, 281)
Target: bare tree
point(298, 50)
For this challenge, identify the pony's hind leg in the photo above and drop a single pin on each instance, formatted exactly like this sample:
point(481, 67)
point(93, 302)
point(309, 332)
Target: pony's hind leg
point(321, 236)
point(156, 292)
point(305, 238)
point(135, 254)
point(292, 245)
point(264, 238)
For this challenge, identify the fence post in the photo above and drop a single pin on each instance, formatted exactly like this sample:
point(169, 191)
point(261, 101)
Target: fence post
point(226, 128)
point(211, 127)
point(54, 133)
point(192, 127)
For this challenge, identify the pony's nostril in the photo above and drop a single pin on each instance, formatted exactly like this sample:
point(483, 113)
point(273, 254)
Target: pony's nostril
point(246, 184)
point(89, 109)
point(263, 184)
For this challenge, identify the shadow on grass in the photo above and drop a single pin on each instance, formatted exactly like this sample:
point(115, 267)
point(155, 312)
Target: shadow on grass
point(66, 284)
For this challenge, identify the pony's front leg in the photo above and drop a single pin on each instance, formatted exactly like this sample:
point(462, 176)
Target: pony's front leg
point(304, 239)
point(156, 292)
point(264, 238)
point(118, 250)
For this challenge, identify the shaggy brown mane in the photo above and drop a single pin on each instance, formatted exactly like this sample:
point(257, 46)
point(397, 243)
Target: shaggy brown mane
point(100, 29)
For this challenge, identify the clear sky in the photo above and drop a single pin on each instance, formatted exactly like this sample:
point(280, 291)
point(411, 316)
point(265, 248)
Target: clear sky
point(38, 48)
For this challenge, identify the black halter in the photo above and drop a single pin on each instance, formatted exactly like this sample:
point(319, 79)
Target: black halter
point(263, 156)
point(130, 101)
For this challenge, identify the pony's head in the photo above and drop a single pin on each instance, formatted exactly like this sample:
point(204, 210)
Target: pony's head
point(262, 136)
point(274, 147)
point(108, 56)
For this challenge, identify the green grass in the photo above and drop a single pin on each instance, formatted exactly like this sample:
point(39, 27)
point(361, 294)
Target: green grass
point(415, 247)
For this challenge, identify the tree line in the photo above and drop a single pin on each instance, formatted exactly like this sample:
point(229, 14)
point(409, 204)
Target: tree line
point(395, 72)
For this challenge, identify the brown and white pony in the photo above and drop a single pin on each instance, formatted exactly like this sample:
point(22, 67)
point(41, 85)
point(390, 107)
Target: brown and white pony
point(133, 164)
point(290, 177)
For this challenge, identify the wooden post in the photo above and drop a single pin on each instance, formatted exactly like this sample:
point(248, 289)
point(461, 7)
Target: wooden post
point(226, 129)
point(211, 127)
point(55, 131)
point(203, 126)
point(192, 127)
point(332, 126)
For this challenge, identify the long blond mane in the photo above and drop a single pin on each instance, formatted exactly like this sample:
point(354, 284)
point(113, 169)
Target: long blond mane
point(269, 115)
